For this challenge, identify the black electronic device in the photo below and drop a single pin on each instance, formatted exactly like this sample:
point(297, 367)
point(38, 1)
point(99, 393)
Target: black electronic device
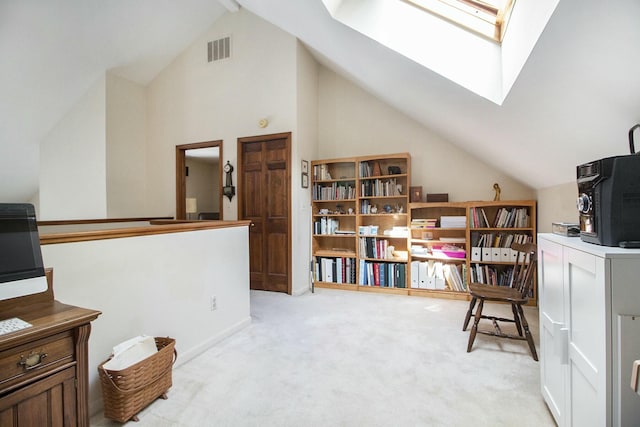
point(21, 266)
point(609, 199)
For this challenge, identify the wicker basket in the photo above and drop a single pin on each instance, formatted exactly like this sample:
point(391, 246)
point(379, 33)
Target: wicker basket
point(126, 392)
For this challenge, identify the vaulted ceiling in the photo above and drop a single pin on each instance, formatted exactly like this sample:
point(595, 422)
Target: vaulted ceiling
point(574, 101)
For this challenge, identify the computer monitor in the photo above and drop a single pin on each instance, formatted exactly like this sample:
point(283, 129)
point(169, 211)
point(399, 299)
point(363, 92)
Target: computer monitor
point(21, 266)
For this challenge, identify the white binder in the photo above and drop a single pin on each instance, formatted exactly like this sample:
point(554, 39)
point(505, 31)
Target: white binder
point(423, 275)
point(415, 272)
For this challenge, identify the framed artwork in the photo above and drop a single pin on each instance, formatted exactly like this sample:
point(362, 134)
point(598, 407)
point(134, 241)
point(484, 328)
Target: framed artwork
point(305, 180)
point(415, 194)
point(305, 166)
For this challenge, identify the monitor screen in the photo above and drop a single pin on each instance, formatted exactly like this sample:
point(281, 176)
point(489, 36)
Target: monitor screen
point(21, 266)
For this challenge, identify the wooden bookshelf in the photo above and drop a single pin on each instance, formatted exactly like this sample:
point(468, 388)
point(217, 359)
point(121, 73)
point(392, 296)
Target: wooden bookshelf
point(363, 226)
point(438, 250)
point(489, 263)
point(491, 253)
point(359, 222)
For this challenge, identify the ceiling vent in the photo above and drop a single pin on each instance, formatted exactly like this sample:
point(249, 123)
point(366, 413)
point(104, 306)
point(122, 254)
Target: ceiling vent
point(219, 49)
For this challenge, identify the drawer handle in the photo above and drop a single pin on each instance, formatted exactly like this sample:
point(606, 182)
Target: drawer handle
point(32, 361)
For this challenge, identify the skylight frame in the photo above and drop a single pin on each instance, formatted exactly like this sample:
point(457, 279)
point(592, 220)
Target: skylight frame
point(480, 17)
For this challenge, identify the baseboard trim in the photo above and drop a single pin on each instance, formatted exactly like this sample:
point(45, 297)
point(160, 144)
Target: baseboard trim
point(206, 345)
point(96, 406)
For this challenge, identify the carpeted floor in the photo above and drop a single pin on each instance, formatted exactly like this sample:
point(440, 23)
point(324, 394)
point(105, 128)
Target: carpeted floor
point(340, 358)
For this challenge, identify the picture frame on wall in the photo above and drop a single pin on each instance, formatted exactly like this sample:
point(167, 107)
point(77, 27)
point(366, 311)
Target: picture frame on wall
point(305, 180)
point(305, 166)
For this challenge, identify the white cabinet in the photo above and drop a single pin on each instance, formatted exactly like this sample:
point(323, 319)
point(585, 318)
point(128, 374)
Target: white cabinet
point(589, 299)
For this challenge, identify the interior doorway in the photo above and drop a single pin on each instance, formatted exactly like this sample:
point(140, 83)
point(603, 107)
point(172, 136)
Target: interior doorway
point(199, 181)
point(264, 198)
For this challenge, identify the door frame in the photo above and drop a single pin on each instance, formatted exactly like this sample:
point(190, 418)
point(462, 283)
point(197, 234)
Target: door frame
point(181, 182)
point(240, 185)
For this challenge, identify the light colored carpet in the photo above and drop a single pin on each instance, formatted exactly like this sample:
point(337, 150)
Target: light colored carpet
point(340, 358)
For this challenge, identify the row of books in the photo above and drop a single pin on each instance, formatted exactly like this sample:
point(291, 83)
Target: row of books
point(326, 225)
point(335, 270)
point(438, 275)
point(372, 247)
point(498, 240)
point(478, 218)
point(383, 274)
point(505, 218)
point(512, 218)
point(378, 188)
point(321, 172)
point(456, 277)
point(365, 207)
point(491, 275)
point(335, 191)
point(368, 169)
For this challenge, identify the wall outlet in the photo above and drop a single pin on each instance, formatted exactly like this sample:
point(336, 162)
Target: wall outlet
point(213, 303)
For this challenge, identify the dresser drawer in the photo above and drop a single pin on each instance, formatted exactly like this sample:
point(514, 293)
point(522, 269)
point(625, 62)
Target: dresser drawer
point(32, 360)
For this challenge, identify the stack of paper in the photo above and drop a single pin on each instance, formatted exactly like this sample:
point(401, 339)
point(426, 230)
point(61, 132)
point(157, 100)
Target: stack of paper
point(453, 221)
point(131, 352)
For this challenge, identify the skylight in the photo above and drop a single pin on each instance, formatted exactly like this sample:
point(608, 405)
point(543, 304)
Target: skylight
point(462, 40)
point(488, 18)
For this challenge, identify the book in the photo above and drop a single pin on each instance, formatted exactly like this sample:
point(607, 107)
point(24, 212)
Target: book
point(376, 274)
point(401, 280)
point(347, 270)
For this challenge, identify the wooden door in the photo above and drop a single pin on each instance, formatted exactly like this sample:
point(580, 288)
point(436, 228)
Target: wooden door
point(264, 187)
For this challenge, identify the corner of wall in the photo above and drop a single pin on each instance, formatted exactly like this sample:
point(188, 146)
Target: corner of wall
point(557, 204)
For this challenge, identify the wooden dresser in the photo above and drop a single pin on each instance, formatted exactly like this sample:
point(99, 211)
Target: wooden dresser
point(44, 368)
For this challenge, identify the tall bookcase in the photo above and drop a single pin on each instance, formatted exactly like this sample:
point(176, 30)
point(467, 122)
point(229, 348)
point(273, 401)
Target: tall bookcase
point(334, 207)
point(360, 222)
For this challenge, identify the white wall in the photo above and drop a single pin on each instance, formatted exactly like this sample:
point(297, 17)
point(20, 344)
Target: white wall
point(269, 75)
point(92, 164)
point(125, 146)
point(193, 100)
point(158, 285)
point(557, 204)
point(73, 162)
point(353, 122)
point(528, 20)
point(305, 147)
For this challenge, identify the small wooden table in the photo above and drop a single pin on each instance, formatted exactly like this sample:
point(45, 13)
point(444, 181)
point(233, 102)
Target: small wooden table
point(44, 368)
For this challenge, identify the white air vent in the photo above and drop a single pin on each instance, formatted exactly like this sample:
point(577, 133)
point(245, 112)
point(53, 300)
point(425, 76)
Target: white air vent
point(219, 49)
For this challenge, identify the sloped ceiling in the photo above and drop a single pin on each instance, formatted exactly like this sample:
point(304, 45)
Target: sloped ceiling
point(52, 51)
point(574, 101)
